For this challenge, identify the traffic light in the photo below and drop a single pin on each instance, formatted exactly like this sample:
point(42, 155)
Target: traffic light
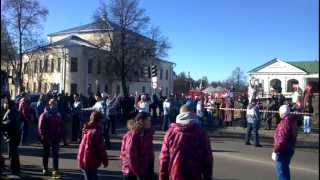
point(154, 71)
point(146, 72)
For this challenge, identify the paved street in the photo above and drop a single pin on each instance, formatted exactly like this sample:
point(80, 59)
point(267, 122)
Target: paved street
point(232, 160)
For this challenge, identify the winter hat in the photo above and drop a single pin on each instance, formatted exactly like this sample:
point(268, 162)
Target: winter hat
point(284, 110)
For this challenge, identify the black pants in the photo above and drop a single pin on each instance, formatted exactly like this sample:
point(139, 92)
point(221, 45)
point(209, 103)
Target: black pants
point(90, 174)
point(106, 135)
point(14, 156)
point(75, 128)
point(111, 123)
point(55, 155)
point(243, 119)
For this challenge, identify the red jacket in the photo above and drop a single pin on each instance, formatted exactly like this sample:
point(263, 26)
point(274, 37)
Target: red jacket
point(185, 154)
point(92, 152)
point(50, 127)
point(285, 135)
point(136, 152)
point(24, 109)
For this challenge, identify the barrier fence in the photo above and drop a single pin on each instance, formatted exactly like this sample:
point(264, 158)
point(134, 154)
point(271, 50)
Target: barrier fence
point(262, 110)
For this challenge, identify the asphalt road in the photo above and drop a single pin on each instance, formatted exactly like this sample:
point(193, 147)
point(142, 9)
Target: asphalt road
point(232, 161)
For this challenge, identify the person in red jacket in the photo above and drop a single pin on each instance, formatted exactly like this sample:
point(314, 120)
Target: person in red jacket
point(24, 109)
point(285, 137)
point(50, 129)
point(186, 151)
point(92, 152)
point(137, 154)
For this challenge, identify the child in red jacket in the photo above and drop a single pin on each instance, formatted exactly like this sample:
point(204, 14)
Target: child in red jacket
point(137, 154)
point(92, 152)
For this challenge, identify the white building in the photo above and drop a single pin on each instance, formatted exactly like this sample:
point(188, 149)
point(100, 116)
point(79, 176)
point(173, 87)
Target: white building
point(71, 63)
point(284, 74)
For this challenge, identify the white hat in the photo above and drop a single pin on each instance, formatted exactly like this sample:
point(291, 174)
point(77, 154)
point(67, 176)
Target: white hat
point(284, 110)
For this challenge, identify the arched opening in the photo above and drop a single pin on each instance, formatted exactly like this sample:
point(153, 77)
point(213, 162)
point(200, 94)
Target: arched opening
point(290, 84)
point(275, 84)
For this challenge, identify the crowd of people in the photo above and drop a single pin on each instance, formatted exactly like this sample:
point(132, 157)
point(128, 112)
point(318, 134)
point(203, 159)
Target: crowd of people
point(186, 150)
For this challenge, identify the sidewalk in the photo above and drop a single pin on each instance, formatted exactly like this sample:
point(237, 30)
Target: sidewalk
point(307, 140)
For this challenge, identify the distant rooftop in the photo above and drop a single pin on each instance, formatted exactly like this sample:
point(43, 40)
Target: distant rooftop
point(91, 27)
point(94, 27)
point(310, 67)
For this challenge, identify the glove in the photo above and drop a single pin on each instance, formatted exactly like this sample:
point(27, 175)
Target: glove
point(274, 156)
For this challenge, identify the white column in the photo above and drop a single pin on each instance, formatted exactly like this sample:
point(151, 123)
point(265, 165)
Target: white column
point(284, 85)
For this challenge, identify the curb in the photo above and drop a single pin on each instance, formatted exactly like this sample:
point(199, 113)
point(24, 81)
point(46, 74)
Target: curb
point(299, 143)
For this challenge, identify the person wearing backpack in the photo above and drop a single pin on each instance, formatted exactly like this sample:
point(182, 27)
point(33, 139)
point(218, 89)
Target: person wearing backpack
point(186, 151)
point(11, 129)
point(50, 129)
point(92, 152)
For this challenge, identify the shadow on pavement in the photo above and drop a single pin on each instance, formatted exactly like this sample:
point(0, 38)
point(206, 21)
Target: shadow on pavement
point(220, 150)
point(34, 172)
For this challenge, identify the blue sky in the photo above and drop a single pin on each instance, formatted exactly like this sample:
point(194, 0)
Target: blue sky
point(212, 37)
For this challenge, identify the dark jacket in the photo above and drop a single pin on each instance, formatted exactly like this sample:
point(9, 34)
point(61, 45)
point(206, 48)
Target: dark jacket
point(11, 125)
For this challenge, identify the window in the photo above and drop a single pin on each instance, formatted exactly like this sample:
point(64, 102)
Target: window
point(106, 88)
point(40, 66)
point(118, 89)
point(74, 88)
point(59, 65)
point(142, 73)
point(45, 88)
point(34, 87)
point(74, 64)
point(89, 66)
point(52, 65)
point(45, 68)
point(25, 67)
point(98, 67)
point(161, 74)
point(167, 74)
point(143, 89)
point(39, 87)
point(291, 83)
point(89, 89)
point(35, 66)
point(98, 87)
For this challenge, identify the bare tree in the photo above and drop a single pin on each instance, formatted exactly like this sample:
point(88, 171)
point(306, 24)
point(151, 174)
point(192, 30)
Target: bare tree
point(129, 41)
point(7, 50)
point(23, 18)
point(237, 79)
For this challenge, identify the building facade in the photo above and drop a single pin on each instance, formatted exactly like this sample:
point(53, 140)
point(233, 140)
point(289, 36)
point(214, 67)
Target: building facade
point(71, 62)
point(285, 74)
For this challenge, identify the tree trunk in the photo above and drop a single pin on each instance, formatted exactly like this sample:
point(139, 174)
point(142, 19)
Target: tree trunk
point(124, 86)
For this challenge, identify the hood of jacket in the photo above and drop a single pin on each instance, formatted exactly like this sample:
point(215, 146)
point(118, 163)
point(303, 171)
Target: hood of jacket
point(87, 127)
point(186, 118)
point(184, 127)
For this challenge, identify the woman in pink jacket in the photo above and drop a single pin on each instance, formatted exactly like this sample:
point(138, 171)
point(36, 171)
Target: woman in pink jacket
point(92, 152)
point(137, 154)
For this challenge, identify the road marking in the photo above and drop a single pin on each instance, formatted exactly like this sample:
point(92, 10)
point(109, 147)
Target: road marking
point(270, 163)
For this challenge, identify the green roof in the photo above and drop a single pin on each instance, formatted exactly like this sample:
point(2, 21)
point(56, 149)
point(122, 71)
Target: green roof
point(311, 67)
